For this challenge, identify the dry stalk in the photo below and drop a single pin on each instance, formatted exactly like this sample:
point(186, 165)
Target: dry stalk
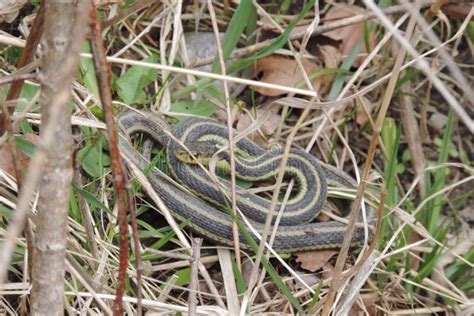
point(193, 283)
point(233, 199)
point(123, 196)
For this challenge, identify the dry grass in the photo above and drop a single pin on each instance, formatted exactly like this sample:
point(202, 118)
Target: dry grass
point(424, 253)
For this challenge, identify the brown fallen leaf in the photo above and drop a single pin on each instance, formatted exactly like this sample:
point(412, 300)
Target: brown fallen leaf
point(266, 129)
point(314, 260)
point(328, 271)
point(364, 109)
point(349, 35)
point(368, 302)
point(6, 160)
point(331, 57)
point(283, 71)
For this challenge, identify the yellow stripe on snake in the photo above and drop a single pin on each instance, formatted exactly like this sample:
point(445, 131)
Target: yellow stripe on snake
point(203, 208)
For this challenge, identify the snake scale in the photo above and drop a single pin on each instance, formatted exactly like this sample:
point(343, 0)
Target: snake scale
point(203, 209)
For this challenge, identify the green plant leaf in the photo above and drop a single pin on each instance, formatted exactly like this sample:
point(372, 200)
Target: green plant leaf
point(87, 71)
point(26, 147)
point(91, 199)
point(234, 31)
point(131, 86)
point(93, 160)
point(5, 212)
point(184, 276)
point(200, 108)
point(433, 209)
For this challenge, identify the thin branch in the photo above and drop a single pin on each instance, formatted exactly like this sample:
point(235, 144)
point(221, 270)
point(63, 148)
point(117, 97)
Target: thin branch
point(27, 54)
point(15, 78)
point(102, 70)
point(64, 30)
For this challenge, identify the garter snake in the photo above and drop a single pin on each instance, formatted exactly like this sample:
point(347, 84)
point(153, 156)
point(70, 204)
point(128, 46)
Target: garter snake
point(295, 232)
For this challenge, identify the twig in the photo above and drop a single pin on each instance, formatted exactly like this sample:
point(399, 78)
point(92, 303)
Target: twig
point(16, 77)
point(412, 134)
point(233, 199)
point(102, 70)
point(136, 244)
point(206, 75)
point(27, 54)
point(193, 284)
point(364, 267)
point(169, 254)
point(5, 114)
point(168, 286)
point(16, 163)
point(206, 310)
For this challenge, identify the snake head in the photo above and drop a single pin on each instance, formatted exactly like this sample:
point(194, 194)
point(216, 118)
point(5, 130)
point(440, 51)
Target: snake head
point(202, 151)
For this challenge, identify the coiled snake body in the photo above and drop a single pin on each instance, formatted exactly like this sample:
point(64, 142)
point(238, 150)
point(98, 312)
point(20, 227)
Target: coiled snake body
point(295, 232)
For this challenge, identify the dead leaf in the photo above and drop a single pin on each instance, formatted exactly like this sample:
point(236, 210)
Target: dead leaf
point(369, 306)
point(314, 260)
point(364, 108)
point(308, 278)
point(328, 271)
point(331, 57)
point(6, 160)
point(414, 260)
point(349, 35)
point(267, 128)
point(283, 71)
point(439, 120)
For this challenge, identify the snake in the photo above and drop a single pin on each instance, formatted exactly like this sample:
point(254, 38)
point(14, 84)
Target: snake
point(202, 202)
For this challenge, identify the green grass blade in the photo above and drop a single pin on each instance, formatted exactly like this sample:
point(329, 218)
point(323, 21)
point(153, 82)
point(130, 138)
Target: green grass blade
point(234, 31)
point(433, 209)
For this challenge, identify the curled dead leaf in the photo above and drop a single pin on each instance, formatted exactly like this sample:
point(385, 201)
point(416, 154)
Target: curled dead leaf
point(283, 71)
point(349, 35)
point(314, 260)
